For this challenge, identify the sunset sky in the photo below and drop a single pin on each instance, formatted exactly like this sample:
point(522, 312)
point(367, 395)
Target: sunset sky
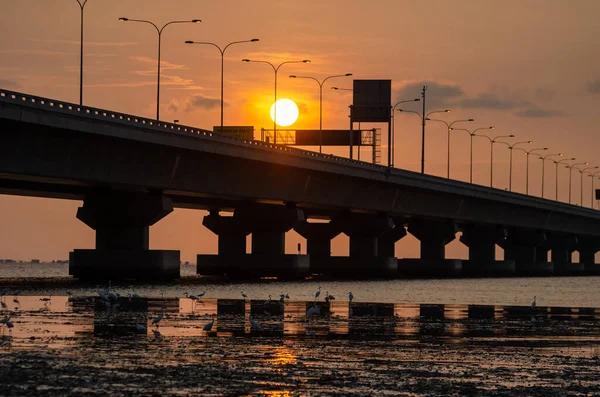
point(529, 67)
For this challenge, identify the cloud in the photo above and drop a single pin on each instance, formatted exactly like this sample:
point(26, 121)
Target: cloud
point(536, 112)
point(438, 95)
point(36, 52)
point(196, 101)
point(487, 101)
point(88, 43)
point(594, 87)
point(9, 84)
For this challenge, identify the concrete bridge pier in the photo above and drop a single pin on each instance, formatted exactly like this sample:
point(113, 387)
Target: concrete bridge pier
point(562, 247)
point(482, 241)
point(587, 247)
point(364, 231)
point(522, 245)
point(318, 244)
point(434, 235)
point(122, 223)
point(268, 225)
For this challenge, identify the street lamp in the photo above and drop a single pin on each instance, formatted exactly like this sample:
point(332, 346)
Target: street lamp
point(275, 70)
point(543, 158)
point(581, 183)
point(159, 31)
point(449, 128)
point(492, 141)
point(320, 83)
point(81, 6)
point(528, 152)
point(393, 137)
point(222, 51)
point(592, 198)
point(556, 175)
point(570, 167)
point(511, 157)
point(471, 135)
point(423, 119)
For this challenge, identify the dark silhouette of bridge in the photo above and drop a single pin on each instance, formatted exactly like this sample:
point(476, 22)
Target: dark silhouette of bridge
point(131, 172)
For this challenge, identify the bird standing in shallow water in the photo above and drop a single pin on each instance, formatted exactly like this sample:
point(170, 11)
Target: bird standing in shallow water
point(208, 326)
point(350, 296)
point(533, 304)
point(157, 319)
point(255, 325)
point(244, 295)
point(318, 293)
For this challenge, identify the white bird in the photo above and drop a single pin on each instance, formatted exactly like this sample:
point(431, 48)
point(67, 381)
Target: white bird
point(318, 293)
point(533, 304)
point(244, 295)
point(255, 325)
point(350, 296)
point(208, 326)
point(157, 319)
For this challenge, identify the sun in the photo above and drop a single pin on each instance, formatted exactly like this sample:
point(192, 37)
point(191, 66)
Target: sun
point(287, 112)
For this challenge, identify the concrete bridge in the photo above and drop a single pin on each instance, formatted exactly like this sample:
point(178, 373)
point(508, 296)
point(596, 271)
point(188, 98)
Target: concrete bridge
point(131, 172)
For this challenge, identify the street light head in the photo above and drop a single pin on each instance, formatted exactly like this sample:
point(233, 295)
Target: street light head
point(416, 99)
point(245, 60)
point(293, 76)
point(400, 110)
point(511, 136)
point(447, 110)
point(123, 19)
point(196, 20)
point(572, 158)
point(335, 88)
point(529, 141)
point(306, 61)
point(560, 154)
point(545, 148)
point(492, 127)
point(471, 120)
point(189, 42)
point(348, 74)
point(586, 163)
point(254, 40)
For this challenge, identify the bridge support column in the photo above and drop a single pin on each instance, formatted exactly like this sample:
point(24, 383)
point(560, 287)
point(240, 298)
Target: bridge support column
point(122, 223)
point(268, 225)
point(522, 245)
point(318, 244)
point(434, 235)
point(365, 231)
point(562, 247)
point(482, 241)
point(587, 247)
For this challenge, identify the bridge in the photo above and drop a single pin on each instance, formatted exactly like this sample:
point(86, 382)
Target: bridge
point(131, 171)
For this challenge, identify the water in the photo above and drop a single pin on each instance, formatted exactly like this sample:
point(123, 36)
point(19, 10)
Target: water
point(398, 337)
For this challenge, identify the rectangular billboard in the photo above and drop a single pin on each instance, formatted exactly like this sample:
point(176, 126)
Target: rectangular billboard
point(372, 100)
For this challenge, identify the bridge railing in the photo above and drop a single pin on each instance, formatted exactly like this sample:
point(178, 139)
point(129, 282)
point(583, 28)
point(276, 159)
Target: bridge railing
point(137, 121)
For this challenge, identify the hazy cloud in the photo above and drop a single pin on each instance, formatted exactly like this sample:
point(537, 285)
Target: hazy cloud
point(196, 101)
point(88, 43)
point(438, 95)
point(9, 84)
point(536, 112)
point(594, 87)
point(487, 101)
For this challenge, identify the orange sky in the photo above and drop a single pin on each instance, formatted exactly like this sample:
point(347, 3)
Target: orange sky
point(529, 67)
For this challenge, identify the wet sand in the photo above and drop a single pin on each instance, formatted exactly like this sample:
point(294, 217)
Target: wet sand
point(60, 348)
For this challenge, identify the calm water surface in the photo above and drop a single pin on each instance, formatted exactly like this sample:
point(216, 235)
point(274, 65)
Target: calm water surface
point(398, 337)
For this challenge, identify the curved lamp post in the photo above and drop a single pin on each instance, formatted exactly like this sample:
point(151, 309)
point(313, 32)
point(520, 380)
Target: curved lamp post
point(159, 31)
point(581, 183)
point(592, 197)
point(320, 83)
point(393, 137)
point(471, 135)
point(275, 70)
point(423, 119)
point(528, 152)
point(556, 175)
point(449, 128)
point(511, 147)
point(81, 6)
point(492, 141)
point(570, 167)
point(222, 51)
point(543, 158)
